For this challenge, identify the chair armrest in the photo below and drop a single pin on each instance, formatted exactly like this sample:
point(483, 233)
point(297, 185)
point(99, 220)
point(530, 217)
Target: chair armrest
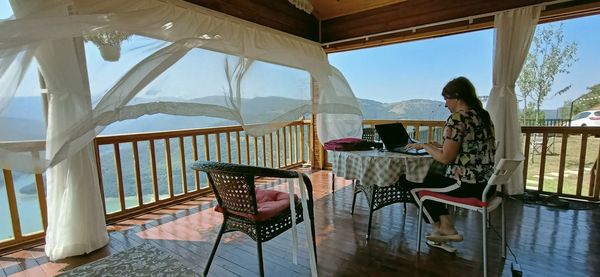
point(229, 168)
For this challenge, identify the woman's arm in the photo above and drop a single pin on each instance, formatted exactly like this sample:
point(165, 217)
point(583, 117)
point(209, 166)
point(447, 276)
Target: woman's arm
point(445, 154)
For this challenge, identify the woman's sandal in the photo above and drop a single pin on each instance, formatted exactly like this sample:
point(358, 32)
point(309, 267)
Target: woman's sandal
point(437, 237)
point(446, 246)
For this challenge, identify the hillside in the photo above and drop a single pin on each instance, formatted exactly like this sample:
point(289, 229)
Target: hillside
point(416, 109)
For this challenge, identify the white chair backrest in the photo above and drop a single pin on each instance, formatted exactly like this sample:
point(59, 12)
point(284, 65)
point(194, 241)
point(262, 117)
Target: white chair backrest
point(502, 173)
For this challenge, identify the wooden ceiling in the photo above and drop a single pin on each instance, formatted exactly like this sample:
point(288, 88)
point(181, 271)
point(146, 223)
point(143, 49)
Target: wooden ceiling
point(351, 24)
point(328, 9)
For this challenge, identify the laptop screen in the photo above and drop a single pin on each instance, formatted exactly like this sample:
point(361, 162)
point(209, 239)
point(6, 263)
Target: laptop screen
point(393, 135)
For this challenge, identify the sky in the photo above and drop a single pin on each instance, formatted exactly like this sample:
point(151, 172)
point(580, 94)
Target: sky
point(419, 70)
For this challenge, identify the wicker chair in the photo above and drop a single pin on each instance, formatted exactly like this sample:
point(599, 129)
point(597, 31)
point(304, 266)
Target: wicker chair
point(369, 134)
point(236, 194)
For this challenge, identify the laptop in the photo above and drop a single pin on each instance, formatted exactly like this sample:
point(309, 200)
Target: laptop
point(395, 138)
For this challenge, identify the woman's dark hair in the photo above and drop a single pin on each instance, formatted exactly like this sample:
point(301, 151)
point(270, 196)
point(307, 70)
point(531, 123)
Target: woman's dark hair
point(461, 88)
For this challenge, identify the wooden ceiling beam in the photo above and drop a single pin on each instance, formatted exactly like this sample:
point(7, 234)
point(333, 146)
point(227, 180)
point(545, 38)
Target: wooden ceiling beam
point(400, 21)
point(279, 15)
point(410, 14)
point(365, 36)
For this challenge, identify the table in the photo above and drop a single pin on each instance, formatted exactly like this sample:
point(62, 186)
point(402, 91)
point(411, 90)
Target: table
point(377, 174)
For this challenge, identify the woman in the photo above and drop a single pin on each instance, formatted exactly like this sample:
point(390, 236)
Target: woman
point(467, 150)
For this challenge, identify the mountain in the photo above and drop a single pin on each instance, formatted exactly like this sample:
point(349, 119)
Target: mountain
point(261, 108)
point(27, 114)
point(28, 111)
point(375, 110)
point(416, 109)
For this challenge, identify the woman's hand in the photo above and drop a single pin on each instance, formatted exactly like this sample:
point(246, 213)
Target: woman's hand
point(417, 146)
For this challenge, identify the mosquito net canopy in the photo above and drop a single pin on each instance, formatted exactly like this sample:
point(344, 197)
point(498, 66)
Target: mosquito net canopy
point(69, 69)
point(93, 63)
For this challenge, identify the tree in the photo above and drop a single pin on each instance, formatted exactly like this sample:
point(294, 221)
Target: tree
point(549, 56)
point(587, 101)
point(531, 117)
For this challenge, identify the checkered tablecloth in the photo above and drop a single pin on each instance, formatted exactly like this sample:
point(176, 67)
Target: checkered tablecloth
point(380, 168)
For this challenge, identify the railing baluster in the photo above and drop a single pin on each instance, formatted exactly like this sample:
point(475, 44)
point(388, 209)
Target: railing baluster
point(39, 184)
point(119, 176)
point(264, 152)
point(297, 143)
point(278, 149)
point(526, 161)
point(138, 175)
point(594, 178)
point(218, 145)
point(169, 166)
point(247, 148)
point(256, 151)
point(99, 169)
point(302, 138)
point(12, 204)
point(285, 144)
point(206, 148)
point(543, 161)
point(228, 146)
point(183, 165)
point(271, 149)
point(153, 169)
point(239, 148)
point(596, 183)
point(195, 155)
point(562, 162)
point(584, 139)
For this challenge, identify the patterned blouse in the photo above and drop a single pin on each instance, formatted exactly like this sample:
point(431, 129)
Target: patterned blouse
point(475, 160)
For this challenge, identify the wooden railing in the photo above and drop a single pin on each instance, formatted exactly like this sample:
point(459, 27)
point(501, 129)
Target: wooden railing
point(559, 160)
point(146, 171)
point(161, 175)
point(141, 172)
point(423, 130)
point(20, 235)
point(562, 160)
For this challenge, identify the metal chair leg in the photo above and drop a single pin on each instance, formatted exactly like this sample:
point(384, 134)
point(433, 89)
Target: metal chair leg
point(503, 230)
point(372, 202)
point(354, 192)
point(484, 227)
point(332, 182)
point(419, 227)
point(215, 246)
point(261, 270)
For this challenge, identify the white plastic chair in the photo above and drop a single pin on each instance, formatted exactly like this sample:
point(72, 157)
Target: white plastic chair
point(502, 173)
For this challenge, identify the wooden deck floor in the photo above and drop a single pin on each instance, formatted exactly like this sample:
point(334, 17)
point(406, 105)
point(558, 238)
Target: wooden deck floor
point(546, 241)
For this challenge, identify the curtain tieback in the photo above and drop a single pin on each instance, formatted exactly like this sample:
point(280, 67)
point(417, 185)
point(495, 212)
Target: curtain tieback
point(502, 89)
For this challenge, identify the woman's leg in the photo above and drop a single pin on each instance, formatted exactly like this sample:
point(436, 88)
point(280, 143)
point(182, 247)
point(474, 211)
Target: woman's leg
point(431, 210)
point(437, 212)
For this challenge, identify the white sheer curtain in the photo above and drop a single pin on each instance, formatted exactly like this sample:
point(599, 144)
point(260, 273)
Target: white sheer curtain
point(76, 222)
point(179, 59)
point(514, 31)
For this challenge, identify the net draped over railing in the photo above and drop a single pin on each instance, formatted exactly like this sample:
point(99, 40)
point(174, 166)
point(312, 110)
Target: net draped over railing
point(173, 58)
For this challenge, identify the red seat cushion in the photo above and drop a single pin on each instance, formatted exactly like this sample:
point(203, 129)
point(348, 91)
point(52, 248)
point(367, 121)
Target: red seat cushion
point(471, 201)
point(269, 203)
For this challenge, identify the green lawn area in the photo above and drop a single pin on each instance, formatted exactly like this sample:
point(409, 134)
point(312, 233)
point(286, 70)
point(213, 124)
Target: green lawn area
point(571, 176)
